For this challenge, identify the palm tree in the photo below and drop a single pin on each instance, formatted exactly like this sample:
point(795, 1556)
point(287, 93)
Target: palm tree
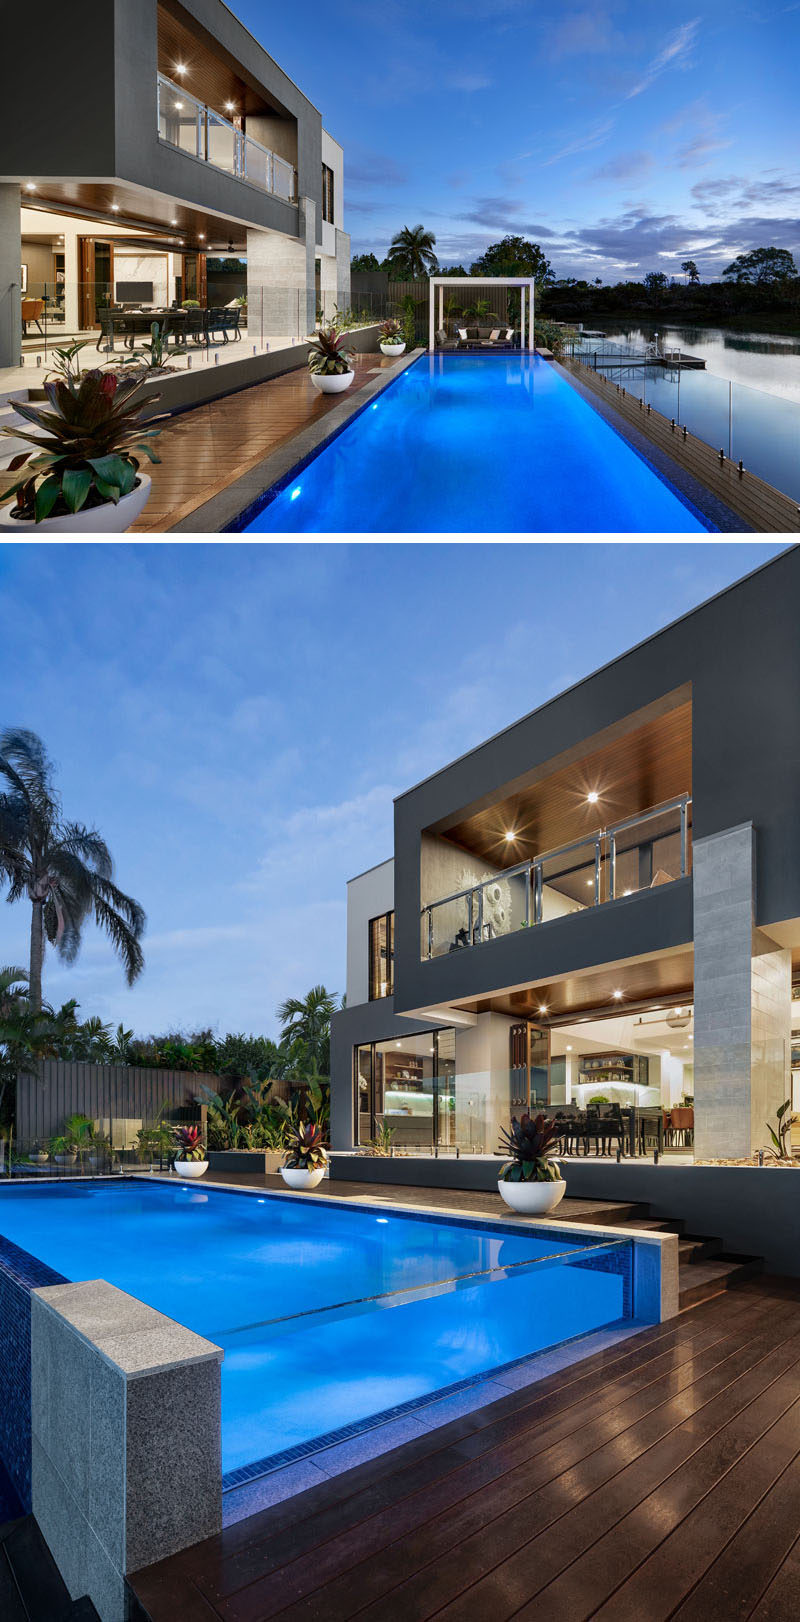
point(690, 269)
point(25, 1036)
point(306, 1028)
point(64, 868)
point(412, 252)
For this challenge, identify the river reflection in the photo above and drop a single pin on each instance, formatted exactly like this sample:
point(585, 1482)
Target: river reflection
point(762, 360)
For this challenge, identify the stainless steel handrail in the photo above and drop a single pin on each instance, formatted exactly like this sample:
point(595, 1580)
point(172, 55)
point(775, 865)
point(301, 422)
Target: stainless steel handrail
point(604, 841)
point(241, 140)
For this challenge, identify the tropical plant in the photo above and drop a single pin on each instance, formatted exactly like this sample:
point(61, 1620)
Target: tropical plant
point(411, 253)
point(61, 1144)
point(305, 1150)
point(226, 1129)
point(86, 452)
point(66, 364)
point(381, 1144)
point(190, 1143)
point(308, 1020)
point(190, 304)
point(390, 331)
point(553, 336)
point(599, 1098)
point(329, 356)
point(153, 354)
point(782, 1138)
point(63, 868)
point(78, 1130)
point(530, 1143)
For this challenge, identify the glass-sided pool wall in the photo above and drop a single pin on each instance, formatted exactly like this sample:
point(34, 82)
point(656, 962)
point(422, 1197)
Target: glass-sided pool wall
point(372, 1314)
point(19, 1275)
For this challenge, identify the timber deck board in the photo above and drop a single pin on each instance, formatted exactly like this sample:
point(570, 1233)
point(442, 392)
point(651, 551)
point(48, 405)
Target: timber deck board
point(208, 448)
point(658, 1478)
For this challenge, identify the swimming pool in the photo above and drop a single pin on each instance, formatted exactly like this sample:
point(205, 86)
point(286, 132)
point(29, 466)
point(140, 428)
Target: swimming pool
point(478, 443)
point(327, 1315)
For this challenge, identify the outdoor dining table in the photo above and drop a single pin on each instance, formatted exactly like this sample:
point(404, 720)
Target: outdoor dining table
point(133, 324)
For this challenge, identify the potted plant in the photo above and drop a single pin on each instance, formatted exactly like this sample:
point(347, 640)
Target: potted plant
point(63, 1150)
point(531, 1180)
point(329, 362)
point(306, 1159)
point(39, 1155)
point(81, 474)
point(190, 1161)
point(392, 341)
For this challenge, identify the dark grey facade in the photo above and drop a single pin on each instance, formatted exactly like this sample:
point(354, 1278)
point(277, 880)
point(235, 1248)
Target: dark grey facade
point(735, 662)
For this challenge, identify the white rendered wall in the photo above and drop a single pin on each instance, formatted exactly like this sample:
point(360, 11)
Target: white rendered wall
point(368, 896)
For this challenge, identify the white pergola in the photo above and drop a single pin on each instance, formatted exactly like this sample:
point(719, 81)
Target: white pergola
point(522, 282)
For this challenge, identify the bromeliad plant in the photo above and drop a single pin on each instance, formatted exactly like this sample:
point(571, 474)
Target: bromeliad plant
point(391, 332)
point(305, 1149)
point(85, 452)
point(190, 1143)
point(531, 1144)
point(329, 356)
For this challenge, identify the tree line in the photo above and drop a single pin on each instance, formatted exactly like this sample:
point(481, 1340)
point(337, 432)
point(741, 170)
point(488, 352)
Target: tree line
point(765, 279)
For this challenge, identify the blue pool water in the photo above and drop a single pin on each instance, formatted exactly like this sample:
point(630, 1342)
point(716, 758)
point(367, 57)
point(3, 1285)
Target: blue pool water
point(288, 1288)
point(478, 442)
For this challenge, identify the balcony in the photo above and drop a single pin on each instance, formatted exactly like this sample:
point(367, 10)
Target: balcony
point(640, 853)
point(193, 128)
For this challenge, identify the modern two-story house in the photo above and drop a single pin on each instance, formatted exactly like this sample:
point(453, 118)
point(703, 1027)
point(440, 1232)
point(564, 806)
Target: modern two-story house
point(147, 149)
point(601, 902)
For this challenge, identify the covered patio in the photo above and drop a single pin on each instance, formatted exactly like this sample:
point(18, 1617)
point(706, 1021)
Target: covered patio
point(487, 329)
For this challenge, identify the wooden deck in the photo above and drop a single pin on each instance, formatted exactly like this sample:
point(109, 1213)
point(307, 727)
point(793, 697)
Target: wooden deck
point(206, 449)
point(656, 1479)
point(759, 505)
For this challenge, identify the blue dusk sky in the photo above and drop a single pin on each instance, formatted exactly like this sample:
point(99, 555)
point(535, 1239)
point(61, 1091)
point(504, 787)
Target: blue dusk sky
point(622, 135)
point(236, 721)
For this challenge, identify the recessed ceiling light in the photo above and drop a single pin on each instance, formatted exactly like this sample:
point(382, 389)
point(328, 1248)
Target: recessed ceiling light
point(115, 208)
point(180, 67)
point(593, 796)
point(617, 996)
point(569, 1047)
point(398, 1044)
point(230, 106)
point(627, 892)
point(173, 222)
point(30, 185)
point(510, 835)
point(589, 883)
point(543, 1008)
point(179, 106)
point(201, 236)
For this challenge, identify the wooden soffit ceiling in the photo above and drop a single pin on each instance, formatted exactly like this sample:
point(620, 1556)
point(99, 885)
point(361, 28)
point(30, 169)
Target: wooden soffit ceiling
point(666, 979)
point(212, 76)
point(641, 768)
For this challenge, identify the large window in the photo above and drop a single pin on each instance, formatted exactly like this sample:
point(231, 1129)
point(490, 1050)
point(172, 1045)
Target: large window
point(407, 1085)
point(327, 194)
point(381, 956)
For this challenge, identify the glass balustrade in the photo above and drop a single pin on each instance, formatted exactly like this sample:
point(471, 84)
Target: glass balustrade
point(642, 852)
point(193, 128)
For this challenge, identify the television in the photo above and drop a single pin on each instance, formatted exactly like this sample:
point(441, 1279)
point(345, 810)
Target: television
point(134, 292)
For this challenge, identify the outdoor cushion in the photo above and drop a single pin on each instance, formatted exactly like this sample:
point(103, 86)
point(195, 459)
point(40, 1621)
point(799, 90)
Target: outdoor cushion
point(509, 334)
point(462, 333)
point(495, 335)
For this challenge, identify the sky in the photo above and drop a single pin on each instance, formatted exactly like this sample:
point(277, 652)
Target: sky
point(236, 720)
point(622, 135)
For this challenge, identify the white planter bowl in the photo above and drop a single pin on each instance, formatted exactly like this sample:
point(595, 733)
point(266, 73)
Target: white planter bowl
point(65, 1160)
point(331, 382)
point(532, 1199)
point(392, 349)
point(105, 520)
point(295, 1177)
point(189, 1168)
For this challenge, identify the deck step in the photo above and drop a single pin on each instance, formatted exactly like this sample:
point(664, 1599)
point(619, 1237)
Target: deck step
point(699, 1281)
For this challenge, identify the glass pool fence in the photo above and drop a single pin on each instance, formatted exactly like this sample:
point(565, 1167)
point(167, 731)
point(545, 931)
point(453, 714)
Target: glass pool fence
point(760, 430)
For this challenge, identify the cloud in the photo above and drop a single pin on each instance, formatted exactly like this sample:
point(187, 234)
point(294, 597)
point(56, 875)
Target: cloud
point(676, 52)
point(373, 169)
point(628, 166)
point(502, 213)
point(584, 143)
point(698, 151)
